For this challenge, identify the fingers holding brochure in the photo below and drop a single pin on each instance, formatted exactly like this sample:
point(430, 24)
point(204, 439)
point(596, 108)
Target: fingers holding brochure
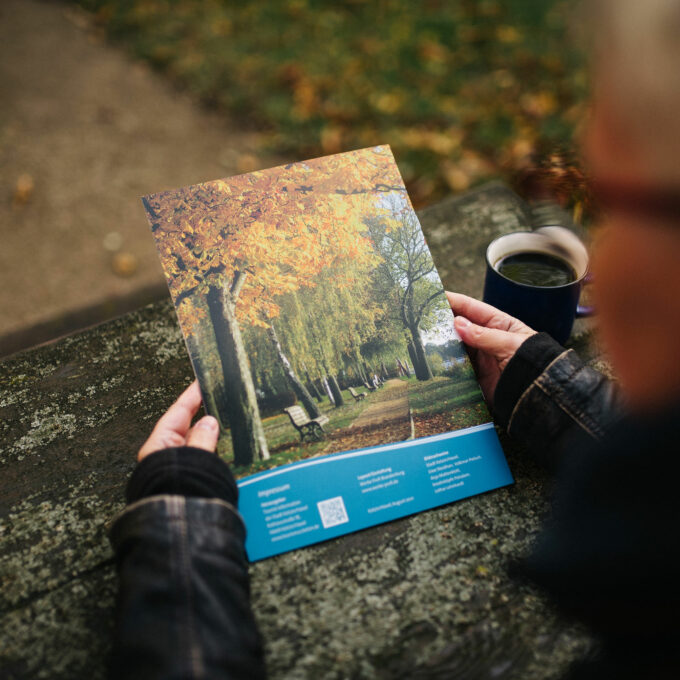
point(492, 337)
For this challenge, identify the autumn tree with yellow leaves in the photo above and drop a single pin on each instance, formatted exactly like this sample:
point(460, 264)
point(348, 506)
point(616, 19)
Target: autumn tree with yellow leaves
point(242, 244)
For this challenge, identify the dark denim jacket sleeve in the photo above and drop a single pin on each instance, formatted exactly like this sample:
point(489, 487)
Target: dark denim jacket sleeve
point(183, 608)
point(547, 397)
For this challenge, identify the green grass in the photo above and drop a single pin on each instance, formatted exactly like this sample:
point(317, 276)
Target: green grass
point(443, 404)
point(461, 89)
point(279, 432)
point(442, 394)
point(461, 400)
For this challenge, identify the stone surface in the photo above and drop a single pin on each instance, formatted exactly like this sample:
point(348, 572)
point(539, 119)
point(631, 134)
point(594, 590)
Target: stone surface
point(424, 597)
point(459, 229)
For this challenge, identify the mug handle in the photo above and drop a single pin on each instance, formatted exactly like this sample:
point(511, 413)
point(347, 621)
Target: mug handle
point(585, 310)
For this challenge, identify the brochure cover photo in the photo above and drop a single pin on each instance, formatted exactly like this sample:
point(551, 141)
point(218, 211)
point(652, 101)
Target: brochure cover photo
point(323, 343)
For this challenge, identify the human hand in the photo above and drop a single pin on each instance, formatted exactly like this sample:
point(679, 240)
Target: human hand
point(492, 337)
point(174, 427)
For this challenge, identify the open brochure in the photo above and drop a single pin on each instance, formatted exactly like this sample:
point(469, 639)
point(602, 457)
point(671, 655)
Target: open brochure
point(321, 337)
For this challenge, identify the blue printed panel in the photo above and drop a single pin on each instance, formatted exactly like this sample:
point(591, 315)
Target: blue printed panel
point(321, 498)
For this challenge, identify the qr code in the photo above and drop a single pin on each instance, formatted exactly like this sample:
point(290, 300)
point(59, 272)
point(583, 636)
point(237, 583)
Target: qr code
point(332, 512)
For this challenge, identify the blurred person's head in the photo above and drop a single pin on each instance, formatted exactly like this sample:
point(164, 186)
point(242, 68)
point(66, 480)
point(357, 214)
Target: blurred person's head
point(633, 152)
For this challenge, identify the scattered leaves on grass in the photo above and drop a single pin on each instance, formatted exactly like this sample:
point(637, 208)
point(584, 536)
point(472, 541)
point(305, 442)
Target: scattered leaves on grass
point(436, 80)
point(385, 432)
point(456, 419)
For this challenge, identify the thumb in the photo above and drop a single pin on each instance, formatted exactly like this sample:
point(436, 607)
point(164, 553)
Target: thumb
point(204, 434)
point(499, 344)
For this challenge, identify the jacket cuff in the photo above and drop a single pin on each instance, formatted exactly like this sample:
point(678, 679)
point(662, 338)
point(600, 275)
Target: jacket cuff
point(182, 471)
point(530, 360)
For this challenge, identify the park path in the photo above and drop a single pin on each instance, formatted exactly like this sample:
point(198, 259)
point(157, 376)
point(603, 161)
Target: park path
point(393, 406)
point(381, 422)
point(85, 130)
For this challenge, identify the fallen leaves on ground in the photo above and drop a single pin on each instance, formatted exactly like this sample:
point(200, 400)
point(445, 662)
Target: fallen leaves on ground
point(385, 432)
point(447, 421)
point(437, 81)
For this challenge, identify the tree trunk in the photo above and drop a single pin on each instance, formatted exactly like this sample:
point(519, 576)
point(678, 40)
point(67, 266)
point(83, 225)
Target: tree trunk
point(300, 390)
point(247, 433)
point(405, 367)
point(311, 388)
point(412, 355)
point(220, 397)
point(208, 391)
point(266, 384)
point(310, 385)
point(318, 383)
point(335, 389)
point(419, 359)
point(383, 370)
point(326, 386)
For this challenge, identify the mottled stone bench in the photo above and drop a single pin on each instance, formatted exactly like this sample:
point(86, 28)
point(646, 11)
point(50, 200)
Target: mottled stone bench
point(426, 596)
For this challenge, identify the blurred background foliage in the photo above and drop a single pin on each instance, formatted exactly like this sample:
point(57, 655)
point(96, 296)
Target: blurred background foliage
point(462, 90)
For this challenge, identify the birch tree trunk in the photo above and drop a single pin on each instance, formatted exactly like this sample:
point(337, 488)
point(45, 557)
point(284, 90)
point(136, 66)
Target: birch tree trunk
point(327, 388)
point(335, 389)
point(300, 390)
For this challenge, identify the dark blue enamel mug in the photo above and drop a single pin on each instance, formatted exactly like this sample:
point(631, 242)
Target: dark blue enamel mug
point(544, 308)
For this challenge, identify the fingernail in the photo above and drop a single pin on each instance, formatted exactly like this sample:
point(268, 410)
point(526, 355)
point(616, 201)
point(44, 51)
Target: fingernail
point(208, 422)
point(461, 322)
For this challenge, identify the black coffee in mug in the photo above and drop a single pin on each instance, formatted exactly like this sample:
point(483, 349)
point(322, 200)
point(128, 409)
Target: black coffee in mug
point(537, 276)
point(536, 269)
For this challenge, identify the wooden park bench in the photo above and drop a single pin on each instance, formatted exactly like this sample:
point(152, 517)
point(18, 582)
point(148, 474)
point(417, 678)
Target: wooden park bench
point(369, 387)
point(358, 396)
point(312, 428)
